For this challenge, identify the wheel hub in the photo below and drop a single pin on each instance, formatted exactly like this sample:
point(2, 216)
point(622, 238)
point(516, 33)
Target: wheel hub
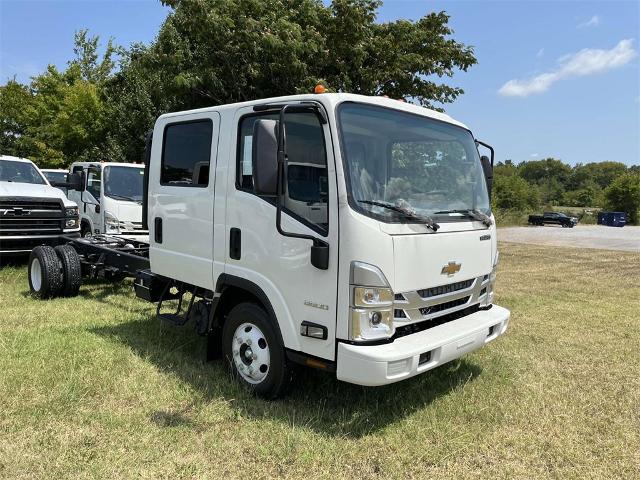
point(251, 353)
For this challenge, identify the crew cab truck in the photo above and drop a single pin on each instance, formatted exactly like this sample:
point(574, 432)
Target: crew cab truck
point(343, 232)
point(553, 218)
point(32, 212)
point(111, 198)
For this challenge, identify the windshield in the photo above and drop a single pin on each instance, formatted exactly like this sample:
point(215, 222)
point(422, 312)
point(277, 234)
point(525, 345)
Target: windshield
point(400, 162)
point(123, 183)
point(20, 172)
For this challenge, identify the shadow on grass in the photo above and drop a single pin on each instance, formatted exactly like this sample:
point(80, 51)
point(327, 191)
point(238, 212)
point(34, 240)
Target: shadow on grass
point(317, 400)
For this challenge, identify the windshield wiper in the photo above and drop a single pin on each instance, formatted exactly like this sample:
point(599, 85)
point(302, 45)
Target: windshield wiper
point(122, 197)
point(472, 213)
point(403, 207)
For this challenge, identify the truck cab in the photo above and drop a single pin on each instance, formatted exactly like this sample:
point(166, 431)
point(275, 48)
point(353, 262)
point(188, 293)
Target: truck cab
point(345, 232)
point(111, 198)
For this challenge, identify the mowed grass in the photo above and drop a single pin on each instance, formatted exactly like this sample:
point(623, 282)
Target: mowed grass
point(95, 387)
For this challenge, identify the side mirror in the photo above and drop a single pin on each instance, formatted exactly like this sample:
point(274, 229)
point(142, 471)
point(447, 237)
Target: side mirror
point(264, 157)
point(75, 181)
point(487, 168)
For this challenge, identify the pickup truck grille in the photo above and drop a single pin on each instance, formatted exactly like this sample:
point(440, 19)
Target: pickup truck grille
point(28, 217)
point(434, 302)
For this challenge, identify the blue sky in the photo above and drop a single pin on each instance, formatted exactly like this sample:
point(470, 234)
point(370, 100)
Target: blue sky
point(557, 79)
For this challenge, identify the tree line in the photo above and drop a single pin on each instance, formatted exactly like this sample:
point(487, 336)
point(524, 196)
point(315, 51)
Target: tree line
point(542, 184)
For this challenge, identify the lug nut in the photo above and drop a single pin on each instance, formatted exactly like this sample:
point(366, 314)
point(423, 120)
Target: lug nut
point(249, 342)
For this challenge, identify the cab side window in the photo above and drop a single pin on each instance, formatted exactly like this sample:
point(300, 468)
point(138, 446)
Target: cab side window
point(307, 191)
point(186, 154)
point(94, 181)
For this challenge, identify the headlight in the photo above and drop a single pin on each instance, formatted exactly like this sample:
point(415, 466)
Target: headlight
point(372, 297)
point(111, 222)
point(71, 223)
point(371, 312)
point(71, 212)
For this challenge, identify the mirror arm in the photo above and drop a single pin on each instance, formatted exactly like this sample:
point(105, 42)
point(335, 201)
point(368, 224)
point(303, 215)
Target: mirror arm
point(486, 145)
point(320, 248)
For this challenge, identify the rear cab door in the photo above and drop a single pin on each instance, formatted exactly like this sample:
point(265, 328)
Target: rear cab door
point(181, 193)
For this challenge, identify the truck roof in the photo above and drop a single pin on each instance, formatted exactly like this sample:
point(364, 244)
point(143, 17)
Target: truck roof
point(332, 99)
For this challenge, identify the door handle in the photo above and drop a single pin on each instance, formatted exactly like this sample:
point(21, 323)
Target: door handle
point(235, 243)
point(157, 229)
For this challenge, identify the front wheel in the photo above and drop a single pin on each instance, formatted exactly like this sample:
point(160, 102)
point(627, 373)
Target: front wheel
point(254, 353)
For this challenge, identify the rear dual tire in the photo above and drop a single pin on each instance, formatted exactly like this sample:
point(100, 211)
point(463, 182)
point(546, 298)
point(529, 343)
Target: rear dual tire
point(54, 272)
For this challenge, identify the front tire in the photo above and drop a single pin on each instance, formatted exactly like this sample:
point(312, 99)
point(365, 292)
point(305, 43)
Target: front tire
point(45, 273)
point(71, 270)
point(254, 353)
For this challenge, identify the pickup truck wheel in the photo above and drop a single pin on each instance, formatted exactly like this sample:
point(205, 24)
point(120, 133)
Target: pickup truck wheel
point(45, 273)
point(253, 352)
point(71, 270)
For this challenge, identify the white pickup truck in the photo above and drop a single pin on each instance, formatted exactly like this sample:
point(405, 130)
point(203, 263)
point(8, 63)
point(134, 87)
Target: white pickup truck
point(32, 212)
point(348, 233)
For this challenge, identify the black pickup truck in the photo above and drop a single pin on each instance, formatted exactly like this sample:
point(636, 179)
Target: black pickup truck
point(553, 218)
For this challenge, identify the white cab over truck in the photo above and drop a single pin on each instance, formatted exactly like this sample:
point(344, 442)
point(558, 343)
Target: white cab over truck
point(343, 232)
point(32, 212)
point(111, 199)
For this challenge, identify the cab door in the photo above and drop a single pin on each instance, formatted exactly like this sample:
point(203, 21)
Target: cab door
point(181, 191)
point(300, 294)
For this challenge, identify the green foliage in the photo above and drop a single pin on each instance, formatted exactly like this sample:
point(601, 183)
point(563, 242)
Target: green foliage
point(15, 99)
point(623, 195)
point(512, 192)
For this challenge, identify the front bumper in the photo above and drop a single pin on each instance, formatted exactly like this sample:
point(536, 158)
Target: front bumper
point(17, 245)
point(391, 362)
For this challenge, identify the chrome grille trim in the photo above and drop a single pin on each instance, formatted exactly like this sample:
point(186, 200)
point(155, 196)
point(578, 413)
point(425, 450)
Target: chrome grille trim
point(428, 303)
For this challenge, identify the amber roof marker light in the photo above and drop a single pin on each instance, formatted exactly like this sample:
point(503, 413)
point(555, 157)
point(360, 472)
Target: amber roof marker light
point(319, 88)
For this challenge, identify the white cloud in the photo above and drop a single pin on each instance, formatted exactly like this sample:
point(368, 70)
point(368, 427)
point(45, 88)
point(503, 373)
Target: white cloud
point(534, 155)
point(585, 62)
point(540, 53)
point(592, 22)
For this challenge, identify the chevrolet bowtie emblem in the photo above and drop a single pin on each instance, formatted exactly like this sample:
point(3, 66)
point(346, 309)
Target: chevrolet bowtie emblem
point(451, 268)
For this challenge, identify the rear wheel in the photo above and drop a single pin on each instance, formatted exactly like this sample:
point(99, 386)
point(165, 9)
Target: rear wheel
point(45, 272)
point(254, 353)
point(71, 270)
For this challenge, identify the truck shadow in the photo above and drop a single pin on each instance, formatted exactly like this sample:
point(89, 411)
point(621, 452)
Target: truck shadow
point(316, 401)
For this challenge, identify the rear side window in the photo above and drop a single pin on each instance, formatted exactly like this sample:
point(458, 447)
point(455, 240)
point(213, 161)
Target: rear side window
point(186, 154)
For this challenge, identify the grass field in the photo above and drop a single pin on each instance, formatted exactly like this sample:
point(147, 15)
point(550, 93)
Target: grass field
point(94, 387)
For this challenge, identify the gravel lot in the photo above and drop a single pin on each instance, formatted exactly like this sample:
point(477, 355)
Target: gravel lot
point(582, 236)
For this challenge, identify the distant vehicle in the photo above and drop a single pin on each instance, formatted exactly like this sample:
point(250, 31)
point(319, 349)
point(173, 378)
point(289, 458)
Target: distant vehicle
point(553, 218)
point(32, 212)
point(111, 198)
point(612, 219)
point(55, 175)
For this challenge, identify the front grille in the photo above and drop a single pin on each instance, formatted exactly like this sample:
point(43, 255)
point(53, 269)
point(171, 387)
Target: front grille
point(20, 217)
point(38, 204)
point(433, 309)
point(403, 330)
point(444, 289)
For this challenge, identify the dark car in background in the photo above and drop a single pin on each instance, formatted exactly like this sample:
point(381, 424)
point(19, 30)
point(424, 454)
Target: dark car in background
point(553, 218)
